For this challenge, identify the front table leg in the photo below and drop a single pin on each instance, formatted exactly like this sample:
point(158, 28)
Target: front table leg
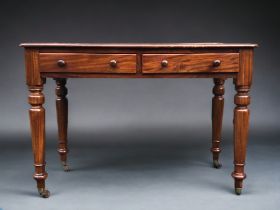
point(37, 124)
point(241, 126)
point(62, 120)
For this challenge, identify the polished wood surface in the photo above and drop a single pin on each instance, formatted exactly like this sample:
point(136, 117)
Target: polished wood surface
point(88, 63)
point(184, 63)
point(217, 119)
point(37, 124)
point(241, 116)
point(62, 120)
point(142, 45)
point(167, 60)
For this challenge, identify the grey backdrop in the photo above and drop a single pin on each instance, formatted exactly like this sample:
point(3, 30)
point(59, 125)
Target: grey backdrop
point(140, 143)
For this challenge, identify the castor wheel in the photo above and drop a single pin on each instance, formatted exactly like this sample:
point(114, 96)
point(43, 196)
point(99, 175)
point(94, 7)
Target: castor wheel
point(238, 191)
point(216, 164)
point(66, 168)
point(44, 193)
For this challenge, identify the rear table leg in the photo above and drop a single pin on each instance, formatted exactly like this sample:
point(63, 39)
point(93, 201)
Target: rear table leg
point(62, 120)
point(217, 119)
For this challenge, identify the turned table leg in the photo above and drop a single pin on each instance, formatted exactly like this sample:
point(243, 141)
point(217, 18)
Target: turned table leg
point(37, 124)
point(217, 119)
point(62, 121)
point(241, 126)
point(242, 83)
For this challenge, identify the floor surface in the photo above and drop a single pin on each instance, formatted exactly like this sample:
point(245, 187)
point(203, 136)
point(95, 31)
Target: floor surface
point(148, 168)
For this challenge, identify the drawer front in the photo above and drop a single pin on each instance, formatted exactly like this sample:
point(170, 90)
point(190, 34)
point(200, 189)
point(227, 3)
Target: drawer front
point(190, 63)
point(88, 63)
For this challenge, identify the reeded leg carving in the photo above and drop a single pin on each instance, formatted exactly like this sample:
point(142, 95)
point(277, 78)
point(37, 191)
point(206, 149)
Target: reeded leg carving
point(217, 119)
point(241, 126)
point(62, 121)
point(37, 124)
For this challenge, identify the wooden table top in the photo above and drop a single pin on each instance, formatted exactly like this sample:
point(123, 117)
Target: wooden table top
point(141, 45)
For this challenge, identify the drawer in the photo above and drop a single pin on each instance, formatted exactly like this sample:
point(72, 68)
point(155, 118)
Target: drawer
point(188, 63)
point(87, 63)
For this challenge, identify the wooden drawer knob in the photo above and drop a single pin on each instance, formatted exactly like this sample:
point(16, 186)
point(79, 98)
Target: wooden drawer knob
point(216, 63)
point(61, 63)
point(164, 63)
point(113, 63)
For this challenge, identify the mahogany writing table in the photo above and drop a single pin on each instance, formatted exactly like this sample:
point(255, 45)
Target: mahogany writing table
point(181, 60)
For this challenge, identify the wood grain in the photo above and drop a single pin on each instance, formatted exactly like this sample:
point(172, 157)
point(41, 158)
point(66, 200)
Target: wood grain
point(137, 75)
point(37, 125)
point(185, 63)
point(62, 119)
point(242, 83)
point(241, 127)
point(84, 62)
point(32, 67)
point(141, 45)
point(185, 60)
point(246, 67)
point(217, 119)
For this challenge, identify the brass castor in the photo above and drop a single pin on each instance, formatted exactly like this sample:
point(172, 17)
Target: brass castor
point(238, 191)
point(44, 193)
point(66, 168)
point(216, 164)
